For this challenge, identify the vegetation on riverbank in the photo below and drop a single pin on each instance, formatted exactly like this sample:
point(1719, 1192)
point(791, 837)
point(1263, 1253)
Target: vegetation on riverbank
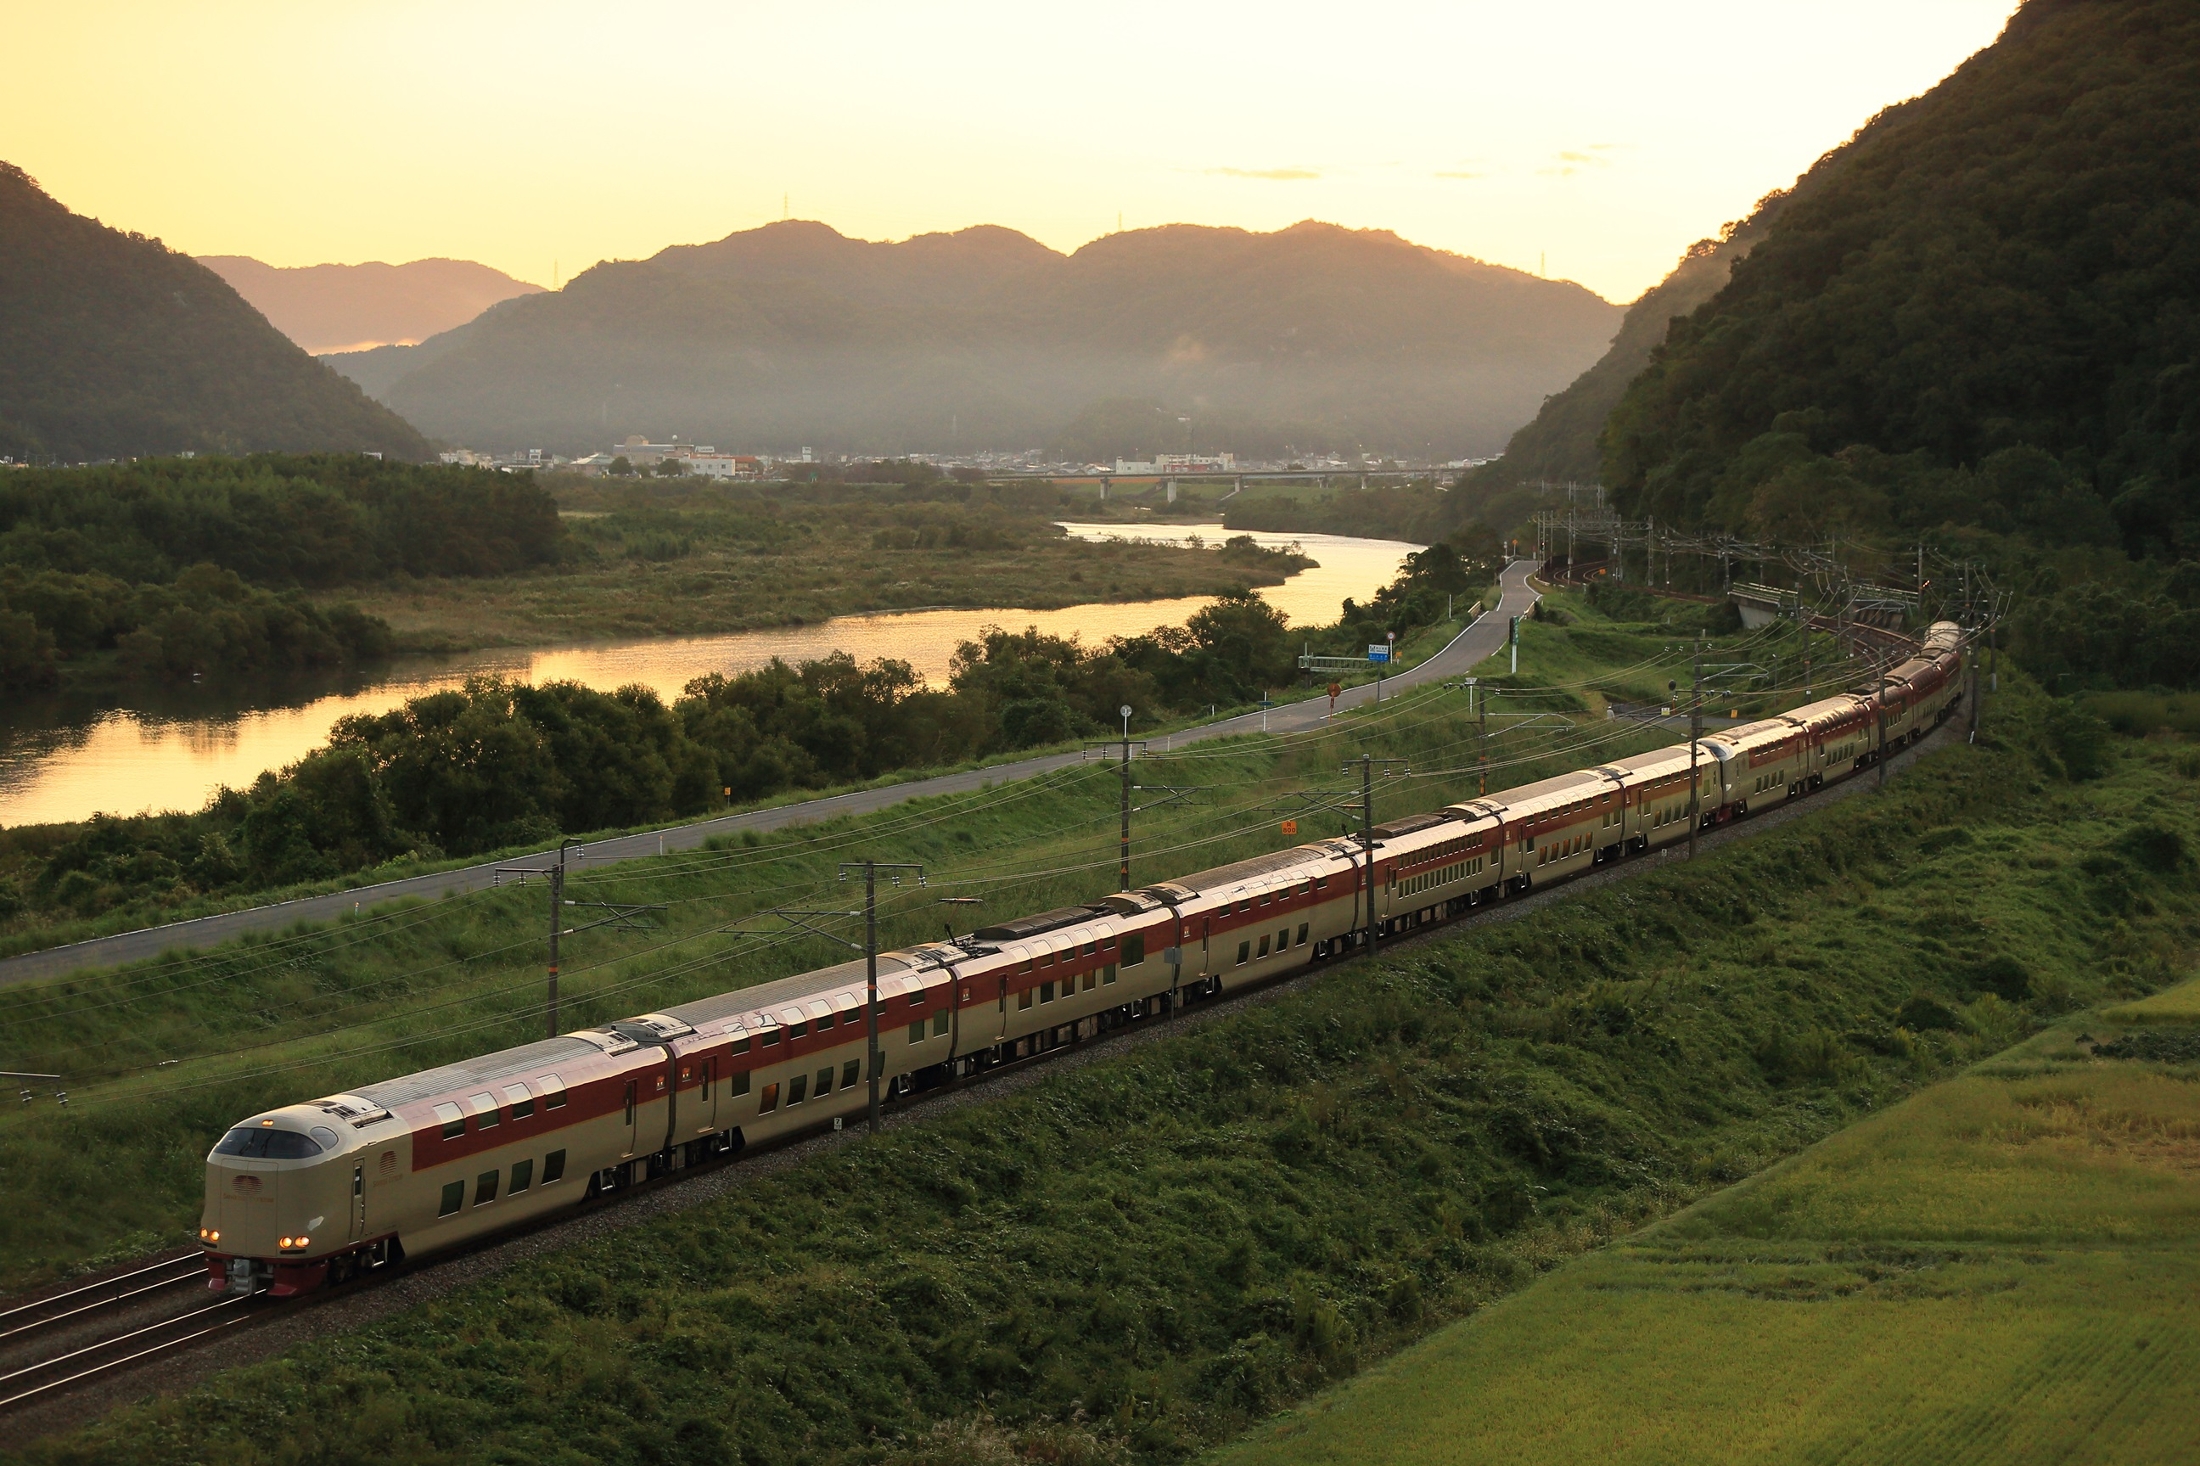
point(2007, 1254)
point(502, 764)
point(1141, 1257)
point(678, 556)
point(182, 567)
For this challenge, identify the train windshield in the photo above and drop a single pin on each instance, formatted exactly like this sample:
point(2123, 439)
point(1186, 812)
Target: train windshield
point(267, 1143)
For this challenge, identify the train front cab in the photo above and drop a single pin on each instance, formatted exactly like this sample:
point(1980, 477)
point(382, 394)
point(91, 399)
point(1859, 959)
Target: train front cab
point(286, 1198)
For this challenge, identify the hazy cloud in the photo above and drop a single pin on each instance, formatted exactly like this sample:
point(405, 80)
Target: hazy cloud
point(1460, 173)
point(1272, 175)
point(1570, 161)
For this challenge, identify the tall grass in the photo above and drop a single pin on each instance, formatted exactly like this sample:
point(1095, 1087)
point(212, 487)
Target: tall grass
point(1141, 1257)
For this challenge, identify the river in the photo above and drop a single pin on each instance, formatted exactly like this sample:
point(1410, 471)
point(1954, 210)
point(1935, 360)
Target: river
point(171, 748)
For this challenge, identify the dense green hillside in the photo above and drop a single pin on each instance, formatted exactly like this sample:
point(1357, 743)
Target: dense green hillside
point(1561, 443)
point(113, 346)
point(1981, 311)
point(1315, 335)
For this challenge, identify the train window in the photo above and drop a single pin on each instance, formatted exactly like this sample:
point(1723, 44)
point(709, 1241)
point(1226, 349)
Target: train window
point(1321, 883)
point(485, 1187)
point(523, 1176)
point(825, 1020)
point(553, 1167)
point(1046, 992)
point(1263, 945)
point(768, 1100)
point(1023, 998)
point(484, 1106)
point(738, 1083)
point(1245, 951)
point(797, 1087)
point(1107, 973)
point(454, 1197)
point(741, 1044)
point(553, 1091)
point(825, 1081)
point(453, 1118)
point(1092, 980)
point(326, 1136)
point(1265, 898)
point(771, 1036)
point(850, 1072)
point(939, 1023)
point(1046, 959)
point(1283, 939)
point(916, 1032)
point(1092, 949)
point(1026, 965)
point(523, 1103)
point(286, 1145)
point(1134, 949)
point(798, 1028)
point(1302, 933)
point(1107, 944)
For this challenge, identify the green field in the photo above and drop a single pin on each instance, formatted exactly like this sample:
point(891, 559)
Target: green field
point(2000, 1269)
point(674, 559)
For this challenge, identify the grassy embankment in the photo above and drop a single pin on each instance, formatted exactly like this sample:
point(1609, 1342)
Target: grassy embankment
point(264, 1021)
point(1144, 1256)
point(1998, 1269)
point(674, 559)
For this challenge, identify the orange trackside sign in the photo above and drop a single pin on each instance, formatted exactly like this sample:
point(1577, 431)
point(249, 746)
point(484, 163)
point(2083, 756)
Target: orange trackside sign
point(1290, 827)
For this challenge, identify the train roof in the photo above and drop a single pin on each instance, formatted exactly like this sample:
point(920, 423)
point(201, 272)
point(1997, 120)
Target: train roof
point(485, 1069)
point(1031, 926)
point(1237, 873)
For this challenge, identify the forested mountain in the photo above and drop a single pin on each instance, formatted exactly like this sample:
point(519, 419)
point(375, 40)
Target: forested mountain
point(112, 345)
point(1316, 336)
point(329, 308)
point(1983, 311)
point(1561, 444)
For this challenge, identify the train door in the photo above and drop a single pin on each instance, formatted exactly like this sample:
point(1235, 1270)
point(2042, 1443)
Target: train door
point(633, 1094)
point(358, 1201)
point(706, 1110)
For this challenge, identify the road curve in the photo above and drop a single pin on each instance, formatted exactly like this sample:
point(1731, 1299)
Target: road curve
point(1479, 640)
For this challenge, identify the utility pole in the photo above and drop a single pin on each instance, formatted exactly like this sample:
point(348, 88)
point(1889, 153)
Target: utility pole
point(1516, 646)
point(1367, 764)
point(1879, 713)
point(870, 869)
point(556, 873)
point(1124, 874)
point(1482, 735)
point(1695, 733)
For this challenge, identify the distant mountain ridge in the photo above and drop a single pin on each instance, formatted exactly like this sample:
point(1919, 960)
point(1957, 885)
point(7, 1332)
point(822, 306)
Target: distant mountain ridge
point(112, 345)
point(795, 334)
point(331, 308)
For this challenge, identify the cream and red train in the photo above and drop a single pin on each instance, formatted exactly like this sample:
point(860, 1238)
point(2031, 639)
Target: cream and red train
point(312, 1193)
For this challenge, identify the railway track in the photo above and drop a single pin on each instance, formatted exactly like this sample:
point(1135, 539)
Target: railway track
point(52, 1344)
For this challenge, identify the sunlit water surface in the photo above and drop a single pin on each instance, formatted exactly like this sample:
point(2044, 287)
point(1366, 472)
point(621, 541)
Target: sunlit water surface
point(174, 748)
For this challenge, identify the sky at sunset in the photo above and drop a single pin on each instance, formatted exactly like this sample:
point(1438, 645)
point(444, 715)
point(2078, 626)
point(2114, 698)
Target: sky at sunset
point(540, 136)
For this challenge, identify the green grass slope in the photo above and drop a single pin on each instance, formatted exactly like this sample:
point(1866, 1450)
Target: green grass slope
point(113, 346)
point(1139, 1258)
point(1981, 311)
point(1997, 1270)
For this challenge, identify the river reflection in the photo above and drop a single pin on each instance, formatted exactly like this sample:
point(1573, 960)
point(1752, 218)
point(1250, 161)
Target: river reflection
point(173, 748)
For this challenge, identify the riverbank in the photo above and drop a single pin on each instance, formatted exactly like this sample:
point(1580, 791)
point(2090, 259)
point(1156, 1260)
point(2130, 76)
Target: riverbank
point(700, 561)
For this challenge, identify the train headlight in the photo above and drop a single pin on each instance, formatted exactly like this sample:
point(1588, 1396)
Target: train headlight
point(214, 1236)
point(305, 1241)
point(286, 1241)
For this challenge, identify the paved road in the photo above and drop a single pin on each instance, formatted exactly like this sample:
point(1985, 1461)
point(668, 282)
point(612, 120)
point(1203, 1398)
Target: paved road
point(1471, 645)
